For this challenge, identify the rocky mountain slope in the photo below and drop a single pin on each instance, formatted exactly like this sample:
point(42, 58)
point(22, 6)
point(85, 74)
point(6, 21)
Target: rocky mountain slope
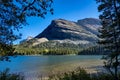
point(81, 32)
point(90, 24)
point(64, 37)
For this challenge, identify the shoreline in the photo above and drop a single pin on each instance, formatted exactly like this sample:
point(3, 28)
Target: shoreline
point(61, 55)
point(44, 77)
point(44, 65)
point(91, 67)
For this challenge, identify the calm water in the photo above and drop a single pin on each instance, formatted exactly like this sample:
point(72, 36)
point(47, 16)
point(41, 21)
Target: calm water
point(42, 64)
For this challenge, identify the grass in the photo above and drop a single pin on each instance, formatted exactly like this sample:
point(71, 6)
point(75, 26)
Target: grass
point(81, 74)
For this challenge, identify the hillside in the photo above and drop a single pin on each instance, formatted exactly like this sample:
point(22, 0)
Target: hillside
point(82, 31)
point(63, 37)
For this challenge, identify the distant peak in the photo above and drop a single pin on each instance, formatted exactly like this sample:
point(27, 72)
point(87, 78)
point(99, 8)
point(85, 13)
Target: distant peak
point(29, 37)
point(89, 21)
point(90, 18)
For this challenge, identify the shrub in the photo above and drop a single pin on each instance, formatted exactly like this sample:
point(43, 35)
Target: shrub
point(81, 74)
point(78, 74)
point(6, 75)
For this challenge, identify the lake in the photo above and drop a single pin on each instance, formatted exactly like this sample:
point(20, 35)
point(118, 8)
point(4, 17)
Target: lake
point(45, 65)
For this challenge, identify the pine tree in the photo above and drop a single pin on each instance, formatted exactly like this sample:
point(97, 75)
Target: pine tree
point(14, 14)
point(110, 33)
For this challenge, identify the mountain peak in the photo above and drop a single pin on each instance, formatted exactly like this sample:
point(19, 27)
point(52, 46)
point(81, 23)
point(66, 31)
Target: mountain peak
point(61, 29)
point(91, 21)
point(62, 22)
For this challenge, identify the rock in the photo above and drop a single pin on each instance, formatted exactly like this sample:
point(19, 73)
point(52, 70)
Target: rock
point(39, 40)
point(84, 30)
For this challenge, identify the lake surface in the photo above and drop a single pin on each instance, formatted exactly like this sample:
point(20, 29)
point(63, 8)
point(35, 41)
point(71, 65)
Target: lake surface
point(30, 65)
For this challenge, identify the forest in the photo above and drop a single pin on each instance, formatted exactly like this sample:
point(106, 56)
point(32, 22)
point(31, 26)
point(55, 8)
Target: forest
point(56, 48)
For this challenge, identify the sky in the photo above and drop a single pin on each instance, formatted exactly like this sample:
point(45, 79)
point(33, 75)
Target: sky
point(72, 10)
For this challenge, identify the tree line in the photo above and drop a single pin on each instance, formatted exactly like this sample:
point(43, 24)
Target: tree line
point(56, 48)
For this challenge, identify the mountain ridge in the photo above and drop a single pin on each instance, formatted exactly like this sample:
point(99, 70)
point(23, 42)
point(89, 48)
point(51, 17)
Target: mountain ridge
point(64, 37)
point(62, 30)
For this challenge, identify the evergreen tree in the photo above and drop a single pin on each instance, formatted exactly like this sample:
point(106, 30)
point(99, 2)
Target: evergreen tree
point(110, 33)
point(14, 14)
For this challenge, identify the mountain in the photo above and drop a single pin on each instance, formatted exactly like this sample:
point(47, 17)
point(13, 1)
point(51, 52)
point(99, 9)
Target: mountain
point(27, 39)
point(64, 37)
point(90, 24)
point(64, 31)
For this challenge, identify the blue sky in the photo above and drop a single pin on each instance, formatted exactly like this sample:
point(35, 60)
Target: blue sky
point(72, 10)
